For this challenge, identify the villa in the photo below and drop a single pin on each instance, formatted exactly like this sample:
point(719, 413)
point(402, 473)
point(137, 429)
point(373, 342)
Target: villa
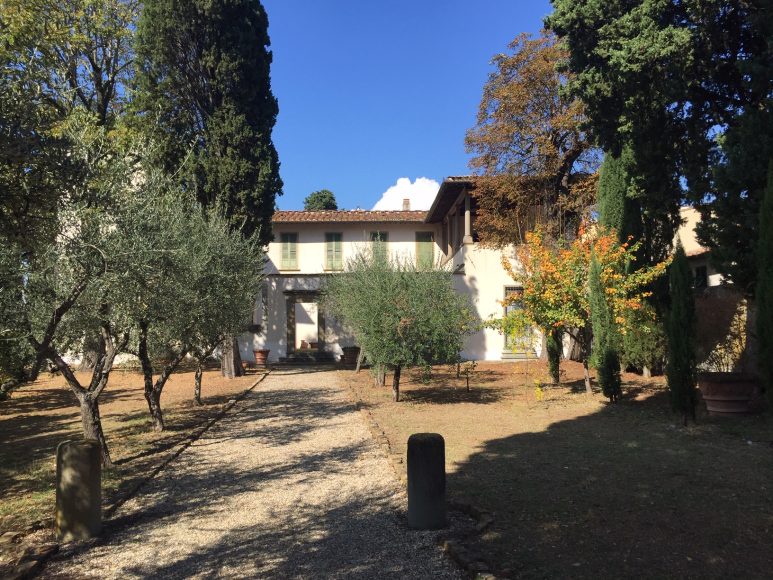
point(311, 245)
point(308, 246)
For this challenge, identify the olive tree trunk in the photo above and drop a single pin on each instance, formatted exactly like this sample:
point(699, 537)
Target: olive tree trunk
point(92, 424)
point(88, 397)
point(197, 384)
point(153, 390)
point(231, 364)
point(396, 384)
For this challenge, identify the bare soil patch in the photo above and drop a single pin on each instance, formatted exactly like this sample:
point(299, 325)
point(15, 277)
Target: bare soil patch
point(41, 415)
point(585, 489)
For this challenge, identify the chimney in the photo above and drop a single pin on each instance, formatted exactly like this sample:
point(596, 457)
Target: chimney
point(406, 204)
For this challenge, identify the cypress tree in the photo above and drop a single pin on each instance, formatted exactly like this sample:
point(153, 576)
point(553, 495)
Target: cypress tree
point(554, 346)
point(617, 209)
point(605, 336)
point(680, 332)
point(204, 95)
point(764, 290)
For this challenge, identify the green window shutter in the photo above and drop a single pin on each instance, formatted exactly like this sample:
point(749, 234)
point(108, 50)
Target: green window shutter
point(289, 251)
point(380, 244)
point(425, 249)
point(334, 252)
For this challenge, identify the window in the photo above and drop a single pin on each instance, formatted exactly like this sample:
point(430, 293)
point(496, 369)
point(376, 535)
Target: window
point(425, 249)
point(523, 341)
point(701, 279)
point(333, 252)
point(289, 251)
point(380, 242)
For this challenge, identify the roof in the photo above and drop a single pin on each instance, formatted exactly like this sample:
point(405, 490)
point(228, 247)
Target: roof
point(348, 216)
point(449, 190)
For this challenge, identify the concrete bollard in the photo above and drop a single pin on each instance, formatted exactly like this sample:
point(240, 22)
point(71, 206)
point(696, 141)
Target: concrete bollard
point(78, 490)
point(426, 481)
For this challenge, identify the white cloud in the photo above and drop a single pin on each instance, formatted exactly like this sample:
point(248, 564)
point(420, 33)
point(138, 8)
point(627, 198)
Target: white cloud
point(421, 193)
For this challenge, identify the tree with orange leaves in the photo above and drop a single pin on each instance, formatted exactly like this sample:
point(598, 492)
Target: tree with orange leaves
point(534, 161)
point(555, 285)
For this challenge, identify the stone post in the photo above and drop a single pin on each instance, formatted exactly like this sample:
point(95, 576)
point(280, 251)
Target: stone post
point(78, 490)
point(426, 481)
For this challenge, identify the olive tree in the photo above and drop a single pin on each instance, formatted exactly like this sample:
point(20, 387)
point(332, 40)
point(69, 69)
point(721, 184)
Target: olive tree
point(402, 315)
point(65, 288)
point(197, 287)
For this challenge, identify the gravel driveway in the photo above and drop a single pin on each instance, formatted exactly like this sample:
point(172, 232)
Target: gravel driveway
point(288, 484)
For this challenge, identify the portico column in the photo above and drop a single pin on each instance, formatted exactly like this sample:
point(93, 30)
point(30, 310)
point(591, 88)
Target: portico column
point(467, 221)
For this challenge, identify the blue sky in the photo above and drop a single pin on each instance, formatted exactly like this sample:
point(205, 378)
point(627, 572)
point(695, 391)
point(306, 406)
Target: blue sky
point(370, 92)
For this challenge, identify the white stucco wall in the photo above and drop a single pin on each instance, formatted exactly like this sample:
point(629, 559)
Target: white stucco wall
point(311, 242)
point(484, 280)
point(273, 319)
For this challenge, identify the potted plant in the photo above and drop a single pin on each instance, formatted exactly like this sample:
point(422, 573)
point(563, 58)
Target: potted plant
point(261, 356)
point(725, 387)
point(350, 355)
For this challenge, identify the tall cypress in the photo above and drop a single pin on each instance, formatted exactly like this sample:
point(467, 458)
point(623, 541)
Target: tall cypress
point(680, 332)
point(554, 346)
point(204, 95)
point(605, 335)
point(617, 209)
point(764, 290)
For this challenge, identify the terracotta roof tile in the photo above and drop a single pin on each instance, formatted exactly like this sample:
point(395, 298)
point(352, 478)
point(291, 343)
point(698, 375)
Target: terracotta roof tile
point(348, 216)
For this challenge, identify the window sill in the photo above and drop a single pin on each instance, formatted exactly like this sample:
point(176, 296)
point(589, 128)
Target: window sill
point(333, 270)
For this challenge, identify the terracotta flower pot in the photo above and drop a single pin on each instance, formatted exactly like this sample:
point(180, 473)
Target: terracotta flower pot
point(350, 355)
point(730, 394)
point(261, 357)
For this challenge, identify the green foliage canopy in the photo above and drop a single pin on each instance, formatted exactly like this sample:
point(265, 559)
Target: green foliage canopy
point(402, 315)
point(320, 200)
point(688, 85)
point(606, 337)
point(680, 330)
point(204, 94)
point(764, 292)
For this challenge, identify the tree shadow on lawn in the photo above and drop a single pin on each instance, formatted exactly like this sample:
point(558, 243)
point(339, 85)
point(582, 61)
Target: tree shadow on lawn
point(623, 493)
point(443, 395)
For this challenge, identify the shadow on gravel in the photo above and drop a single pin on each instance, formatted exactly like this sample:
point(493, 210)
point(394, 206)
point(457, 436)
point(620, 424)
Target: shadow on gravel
point(362, 536)
point(350, 540)
point(298, 411)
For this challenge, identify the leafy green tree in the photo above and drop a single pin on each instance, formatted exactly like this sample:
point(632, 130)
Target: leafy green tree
point(320, 200)
point(204, 93)
point(617, 210)
point(194, 288)
point(402, 315)
point(687, 85)
point(644, 342)
point(764, 292)
point(204, 89)
point(52, 296)
point(606, 336)
point(59, 59)
point(530, 147)
point(680, 330)
point(554, 346)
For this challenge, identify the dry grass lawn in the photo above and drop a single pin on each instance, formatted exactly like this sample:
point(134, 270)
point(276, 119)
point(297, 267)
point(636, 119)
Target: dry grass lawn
point(582, 488)
point(39, 416)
